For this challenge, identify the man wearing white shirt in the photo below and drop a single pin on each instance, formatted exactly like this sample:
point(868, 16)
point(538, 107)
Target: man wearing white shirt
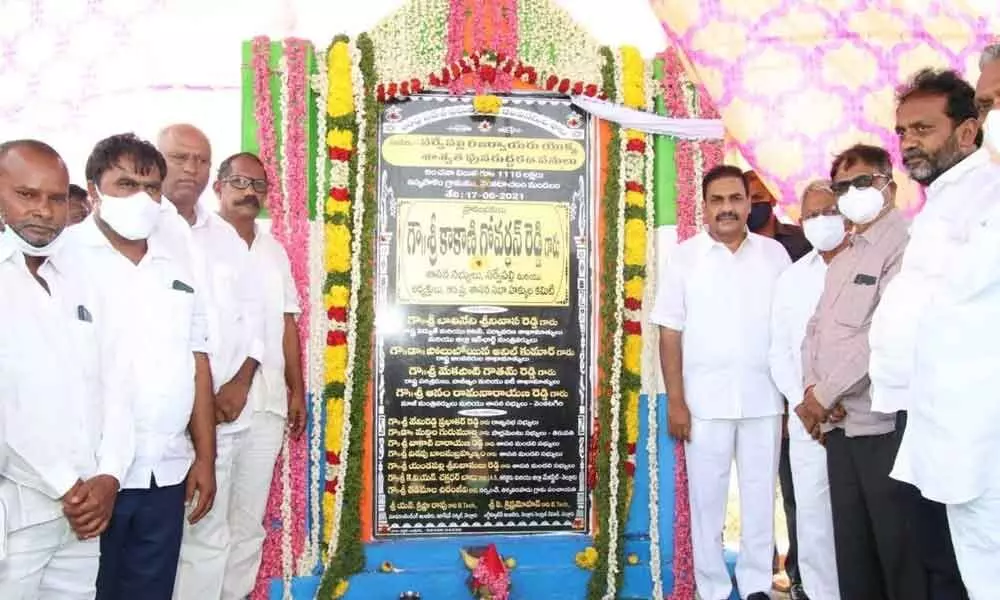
point(796, 295)
point(148, 283)
point(713, 309)
point(937, 359)
point(237, 349)
point(278, 392)
point(68, 434)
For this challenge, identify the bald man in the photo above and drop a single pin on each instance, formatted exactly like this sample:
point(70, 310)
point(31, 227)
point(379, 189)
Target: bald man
point(69, 435)
point(236, 305)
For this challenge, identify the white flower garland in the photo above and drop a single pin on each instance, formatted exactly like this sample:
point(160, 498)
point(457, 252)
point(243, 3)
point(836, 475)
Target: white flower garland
point(649, 352)
point(286, 520)
point(616, 364)
point(317, 334)
point(358, 88)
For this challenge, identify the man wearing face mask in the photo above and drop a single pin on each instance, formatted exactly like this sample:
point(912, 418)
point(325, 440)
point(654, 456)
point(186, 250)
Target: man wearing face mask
point(795, 297)
point(66, 413)
point(875, 555)
point(721, 400)
point(936, 340)
point(763, 221)
point(148, 284)
point(277, 396)
point(236, 325)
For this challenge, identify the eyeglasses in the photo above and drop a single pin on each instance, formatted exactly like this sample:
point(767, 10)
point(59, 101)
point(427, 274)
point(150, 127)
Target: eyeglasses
point(861, 182)
point(241, 183)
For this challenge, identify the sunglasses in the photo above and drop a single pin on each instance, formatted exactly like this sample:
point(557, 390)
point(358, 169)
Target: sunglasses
point(241, 183)
point(861, 182)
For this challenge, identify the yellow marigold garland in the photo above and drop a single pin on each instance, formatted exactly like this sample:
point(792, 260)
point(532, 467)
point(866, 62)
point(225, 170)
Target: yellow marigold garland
point(337, 260)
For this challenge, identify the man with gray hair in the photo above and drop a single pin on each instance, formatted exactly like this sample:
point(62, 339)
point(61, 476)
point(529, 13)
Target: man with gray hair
point(988, 97)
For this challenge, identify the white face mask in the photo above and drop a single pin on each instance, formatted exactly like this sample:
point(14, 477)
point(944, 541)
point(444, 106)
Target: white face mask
point(133, 217)
point(824, 232)
point(11, 237)
point(861, 206)
point(991, 131)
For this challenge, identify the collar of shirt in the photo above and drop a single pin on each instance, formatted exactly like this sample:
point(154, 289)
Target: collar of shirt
point(885, 223)
point(9, 253)
point(201, 216)
point(708, 243)
point(955, 174)
point(90, 235)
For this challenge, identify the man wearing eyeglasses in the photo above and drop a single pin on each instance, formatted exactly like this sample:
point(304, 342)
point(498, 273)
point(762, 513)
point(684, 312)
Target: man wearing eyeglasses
point(875, 555)
point(236, 341)
point(278, 392)
point(934, 353)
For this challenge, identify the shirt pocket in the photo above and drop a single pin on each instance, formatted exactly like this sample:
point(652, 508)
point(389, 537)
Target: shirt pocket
point(175, 313)
point(856, 304)
point(85, 348)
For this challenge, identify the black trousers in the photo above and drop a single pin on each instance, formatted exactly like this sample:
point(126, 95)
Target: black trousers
point(141, 547)
point(929, 521)
point(788, 503)
point(876, 550)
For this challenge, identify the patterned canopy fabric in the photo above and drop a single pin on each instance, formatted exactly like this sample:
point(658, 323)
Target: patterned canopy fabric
point(796, 81)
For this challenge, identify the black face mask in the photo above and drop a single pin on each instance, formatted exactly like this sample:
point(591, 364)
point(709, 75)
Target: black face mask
point(760, 215)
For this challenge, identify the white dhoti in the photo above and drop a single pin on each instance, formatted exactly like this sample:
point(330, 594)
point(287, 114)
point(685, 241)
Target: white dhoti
point(205, 545)
point(975, 533)
point(813, 515)
point(47, 562)
point(755, 444)
point(251, 484)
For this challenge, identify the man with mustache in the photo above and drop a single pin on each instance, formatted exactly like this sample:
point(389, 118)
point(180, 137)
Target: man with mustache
point(236, 324)
point(936, 359)
point(713, 310)
point(278, 392)
point(66, 425)
point(875, 555)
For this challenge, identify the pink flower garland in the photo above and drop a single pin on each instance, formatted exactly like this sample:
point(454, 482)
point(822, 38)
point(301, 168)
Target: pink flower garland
point(507, 38)
point(295, 240)
point(683, 562)
point(264, 115)
point(712, 151)
point(456, 39)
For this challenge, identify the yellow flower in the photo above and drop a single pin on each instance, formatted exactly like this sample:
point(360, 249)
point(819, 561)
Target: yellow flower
point(386, 567)
point(634, 134)
point(340, 138)
point(509, 562)
point(634, 288)
point(633, 75)
point(329, 503)
point(633, 353)
point(635, 242)
point(338, 296)
point(335, 358)
point(631, 416)
point(486, 105)
point(340, 96)
point(633, 558)
point(635, 199)
point(334, 425)
point(586, 559)
point(338, 248)
point(341, 589)
point(334, 207)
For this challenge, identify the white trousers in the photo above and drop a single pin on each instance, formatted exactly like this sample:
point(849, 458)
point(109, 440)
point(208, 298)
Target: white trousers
point(813, 515)
point(755, 444)
point(251, 484)
point(47, 562)
point(975, 533)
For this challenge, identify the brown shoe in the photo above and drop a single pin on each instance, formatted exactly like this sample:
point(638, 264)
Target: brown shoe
point(780, 582)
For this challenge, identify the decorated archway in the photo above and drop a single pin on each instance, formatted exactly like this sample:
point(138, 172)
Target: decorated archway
point(321, 121)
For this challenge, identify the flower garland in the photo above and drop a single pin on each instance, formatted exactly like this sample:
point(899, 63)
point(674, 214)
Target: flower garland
point(339, 111)
point(609, 489)
point(317, 339)
point(554, 41)
point(346, 555)
point(264, 115)
point(687, 191)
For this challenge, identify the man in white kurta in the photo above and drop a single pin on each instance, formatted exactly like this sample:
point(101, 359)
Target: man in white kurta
point(68, 435)
point(278, 393)
point(713, 308)
point(235, 302)
point(796, 295)
point(936, 341)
